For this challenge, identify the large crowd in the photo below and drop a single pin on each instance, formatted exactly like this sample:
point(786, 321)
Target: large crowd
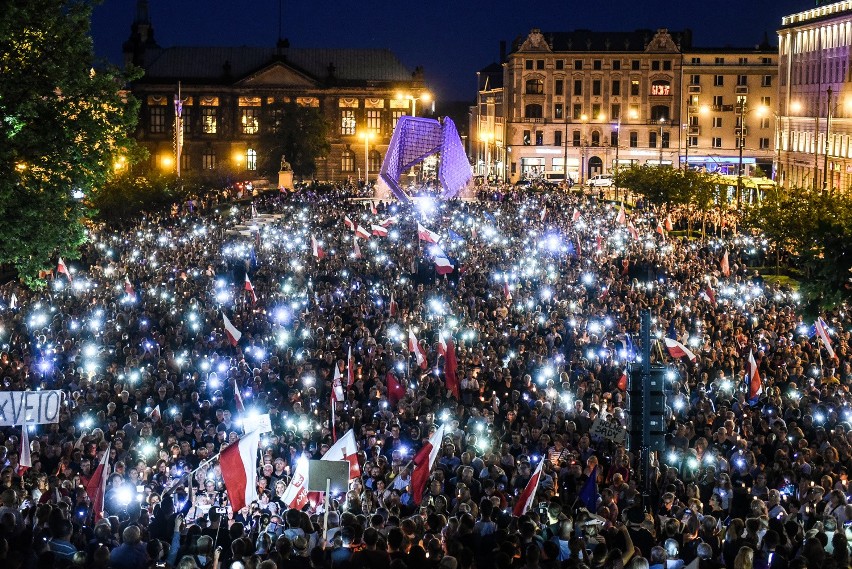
point(543, 304)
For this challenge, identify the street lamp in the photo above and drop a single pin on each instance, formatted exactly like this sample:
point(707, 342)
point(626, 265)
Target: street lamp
point(662, 122)
point(425, 97)
point(585, 119)
point(366, 136)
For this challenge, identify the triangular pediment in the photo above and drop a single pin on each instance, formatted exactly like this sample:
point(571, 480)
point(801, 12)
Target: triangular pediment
point(278, 75)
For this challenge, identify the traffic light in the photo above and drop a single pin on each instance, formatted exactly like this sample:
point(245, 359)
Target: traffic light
point(647, 408)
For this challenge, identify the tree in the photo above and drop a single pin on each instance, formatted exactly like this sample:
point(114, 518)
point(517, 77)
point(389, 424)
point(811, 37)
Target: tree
point(298, 133)
point(63, 126)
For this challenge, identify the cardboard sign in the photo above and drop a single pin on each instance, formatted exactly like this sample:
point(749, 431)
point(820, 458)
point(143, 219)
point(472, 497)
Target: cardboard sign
point(614, 432)
point(29, 407)
point(335, 470)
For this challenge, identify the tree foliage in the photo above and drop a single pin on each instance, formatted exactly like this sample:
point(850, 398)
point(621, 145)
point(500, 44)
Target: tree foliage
point(298, 133)
point(670, 187)
point(124, 197)
point(62, 127)
point(815, 231)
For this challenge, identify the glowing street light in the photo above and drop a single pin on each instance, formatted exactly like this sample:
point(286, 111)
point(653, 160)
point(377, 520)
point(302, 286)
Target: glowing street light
point(424, 97)
point(367, 135)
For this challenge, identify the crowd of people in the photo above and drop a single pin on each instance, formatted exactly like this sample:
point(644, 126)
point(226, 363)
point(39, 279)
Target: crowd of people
point(543, 304)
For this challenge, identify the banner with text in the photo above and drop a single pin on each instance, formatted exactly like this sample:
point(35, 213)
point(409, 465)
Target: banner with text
point(608, 430)
point(29, 407)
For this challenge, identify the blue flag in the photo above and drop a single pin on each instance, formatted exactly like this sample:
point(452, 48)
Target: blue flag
point(253, 258)
point(589, 493)
point(490, 217)
point(454, 236)
point(629, 348)
point(671, 333)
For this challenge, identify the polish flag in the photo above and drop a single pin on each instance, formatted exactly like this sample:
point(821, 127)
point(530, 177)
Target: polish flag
point(451, 365)
point(346, 448)
point(576, 215)
point(350, 225)
point(755, 385)
point(337, 385)
point(678, 350)
point(822, 331)
point(443, 264)
point(507, 292)
point(395, 389)
point(389, 221)
point(239, 470)
point(543, 213)
point(414, 347)
point(711, 294)
point(622, 217)
point(633, 231)
point(96, 486)
point(425, 235)
point(62, 269)
point(373, 209)
point(25, 462)
point(525, 500)
point(333, 419)
point(238, 398)
point(155, 414)
point(392, 306)
point(442, 345)
point(379, 231)
point(423, 461)
point(296, 494)
point(599, 242)
point(233, 334)
point(362, 232)
point(725, 265)
point(250, 289)
point(669, 225)
point(660, 229)
point(128, 287)
point(316, 249)
point(350, 369)
point(356, 247)
point(622, 381)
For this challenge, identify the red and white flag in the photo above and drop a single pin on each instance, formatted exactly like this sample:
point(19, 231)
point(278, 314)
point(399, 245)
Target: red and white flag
point(392, 306)
point(346, 448)
point(333, 418)
point(633, 231)
point(250, 289)
point(96, 486)
point(362, 232)
point(296, 494)
point(356, 247)
point(711, 294)
point(442, 345)
point(238, 398)
point(379, 231)
point(425, 235)
point(155, 414)
point(525, 500)
point(755, 385)
point(25, 462)
point(669, 225)
point(389, 221)
point(233, 334)
point(599, 242)
point(414, 347)
point(621, 219)
point(337, 384)
point(543, 213)
point(822, 331)
point(128, 287)
point(443, 265)
point(725, 265)
point(350, 369)
point(451, 366)
point(660, 229)
point(576, 216)
point(423, 461)
point(63, 270)
point(239, 470)
point(349, 223)
point(678, 350)
point(395, 389)
point(373, 209)
point(507, 292)
point(316, 249)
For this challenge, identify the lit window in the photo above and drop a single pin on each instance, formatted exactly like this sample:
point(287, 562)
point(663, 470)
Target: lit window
point(251, 159)
point(208, 120)
point(347, 122)
point(157, 120)
point(208, 160)
point(347, 161)
point(374, 120)
point(250, 120)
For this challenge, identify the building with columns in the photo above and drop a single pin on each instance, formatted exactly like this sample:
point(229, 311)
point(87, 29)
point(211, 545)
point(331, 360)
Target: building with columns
point(815, 116)
point(588, 101)
point(232, 96)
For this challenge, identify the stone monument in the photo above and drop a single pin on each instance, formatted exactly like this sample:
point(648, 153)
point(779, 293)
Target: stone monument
point(285, 176)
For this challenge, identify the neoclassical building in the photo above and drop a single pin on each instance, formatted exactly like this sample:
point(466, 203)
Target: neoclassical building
point(587, 101)
point(815, 115)
point(231, 96)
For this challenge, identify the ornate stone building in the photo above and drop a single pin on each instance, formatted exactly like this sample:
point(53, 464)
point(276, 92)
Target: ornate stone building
point(230, 97)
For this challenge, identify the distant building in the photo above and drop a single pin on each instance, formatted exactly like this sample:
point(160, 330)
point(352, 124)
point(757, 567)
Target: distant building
point(587, 100)
point(814, 79)
point(231, 96)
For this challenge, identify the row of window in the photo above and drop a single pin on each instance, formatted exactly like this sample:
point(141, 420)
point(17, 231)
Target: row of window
point(742, 80)
point(597, 64)
point(633, 139)
point(659, 87)
point(740, 61)
point(836, 71)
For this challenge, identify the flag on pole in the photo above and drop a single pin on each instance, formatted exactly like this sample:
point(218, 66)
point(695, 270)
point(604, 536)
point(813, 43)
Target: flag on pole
point(296, 494)
point(725, 265)
point(155, 414)
point(362, 232)
point(233, 334)
point(423, 461)
point(128, 287)
point(25, 462)
point(350, 369)
point(490, 217)
point(395, 389)
point(239, 470)
point(356, 247)
point(443, 265)
point(249, 288)
point(389, 221)
point(453, 236)
point(633, 231)
point(669, 225)
point(316, 249)
point(96, 486)
point(442, 345)
point(710, 294)
point(346, 448)
point(373, 209)
point(392, 306)
point(525, 500)
point(589, 493)
point(238, 398)
point(821, 329)
point(507, 292)
point(379, 231)
point(660, 229)
point(576, 216)
point(333, 419)
point(425, 235)
point(348, 223)
point(63, 270)
point(622, 216)
point(451, 369)
point(678, 350)
point(543, 213)
point(337, 384)
point(414, 347)
point(755, 385)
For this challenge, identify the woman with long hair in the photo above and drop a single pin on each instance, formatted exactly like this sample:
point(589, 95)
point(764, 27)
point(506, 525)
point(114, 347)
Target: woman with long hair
point(744, 559)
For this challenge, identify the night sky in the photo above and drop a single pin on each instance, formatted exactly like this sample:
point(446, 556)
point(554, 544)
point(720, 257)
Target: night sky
point(450, 39)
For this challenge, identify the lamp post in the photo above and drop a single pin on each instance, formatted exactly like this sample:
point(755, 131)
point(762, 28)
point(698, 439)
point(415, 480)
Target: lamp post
point(827, 134)
point(740, 144)
point(367, 135)
point(425, 97)
point(565, 141)
point(662, 122)
point(486, 138)
point(583, 143)
point(617, 144)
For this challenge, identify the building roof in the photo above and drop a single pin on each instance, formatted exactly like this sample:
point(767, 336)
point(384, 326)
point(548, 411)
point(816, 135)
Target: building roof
point(592, 41)
point(210, 63)
point(490, 77)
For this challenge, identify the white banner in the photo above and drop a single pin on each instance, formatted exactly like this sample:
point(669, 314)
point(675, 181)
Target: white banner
point(609, 430)
point(29, 407)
